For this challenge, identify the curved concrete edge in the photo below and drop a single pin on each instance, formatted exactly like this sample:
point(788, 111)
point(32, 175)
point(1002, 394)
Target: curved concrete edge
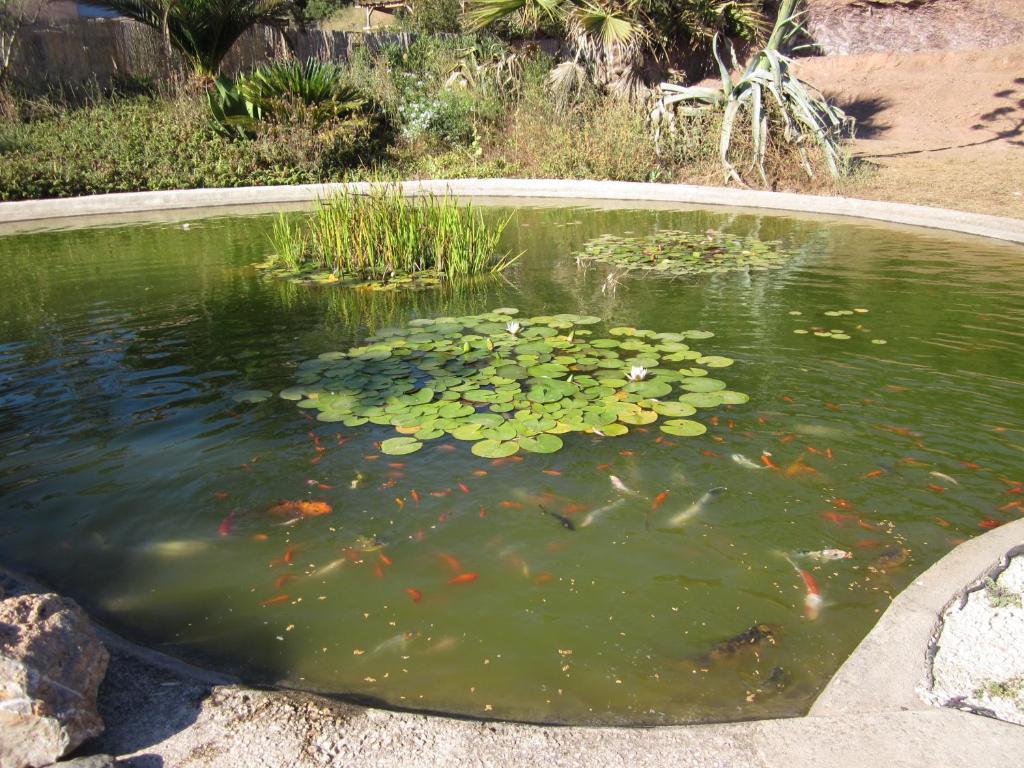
point(885, 671)
point(997, 227)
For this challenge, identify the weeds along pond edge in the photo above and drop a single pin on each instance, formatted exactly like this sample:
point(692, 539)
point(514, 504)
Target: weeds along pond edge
point(41, 212)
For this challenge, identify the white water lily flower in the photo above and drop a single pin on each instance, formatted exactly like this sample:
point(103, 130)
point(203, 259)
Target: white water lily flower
point(513, 327)
point(637, 373)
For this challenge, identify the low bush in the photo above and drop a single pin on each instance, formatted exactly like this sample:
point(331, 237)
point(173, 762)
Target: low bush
point(140, 144)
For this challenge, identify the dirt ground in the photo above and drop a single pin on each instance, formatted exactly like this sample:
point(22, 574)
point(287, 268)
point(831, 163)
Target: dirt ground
point(942, 128)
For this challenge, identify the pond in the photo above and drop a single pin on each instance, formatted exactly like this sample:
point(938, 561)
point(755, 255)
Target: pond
point(639, 578)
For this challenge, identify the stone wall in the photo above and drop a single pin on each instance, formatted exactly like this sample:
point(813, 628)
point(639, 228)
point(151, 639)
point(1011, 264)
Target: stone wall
point(98, 50)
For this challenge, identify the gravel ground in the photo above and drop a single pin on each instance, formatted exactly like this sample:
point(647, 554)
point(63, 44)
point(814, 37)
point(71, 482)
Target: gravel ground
point(978, 662)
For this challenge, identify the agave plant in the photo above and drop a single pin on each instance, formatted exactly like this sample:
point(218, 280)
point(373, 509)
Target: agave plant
point(767, 80)
point(280, 89)
point(203, 31)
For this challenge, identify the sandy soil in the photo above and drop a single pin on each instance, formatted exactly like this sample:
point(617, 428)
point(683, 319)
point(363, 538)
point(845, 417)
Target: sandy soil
point(941, 128)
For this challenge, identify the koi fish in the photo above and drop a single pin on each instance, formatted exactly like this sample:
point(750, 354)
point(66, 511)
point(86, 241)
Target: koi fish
point(573, 507)
point(284, 559)
point(330, 567)
point(752, 638)
point(544, 578)
point(744, 462)
point(766, 459)
point(274, 599)
point(304, 508)
point(464, 578)
point(841, 504)
point(282, 580)
point(694, 509)
point(836, 517)
point(400, 503)
point(510, 504)
point(823, 554)
point(479, 473)
point(593, 516)
point(892, 558)
point(221, 495)
point(627, 454)
point(1015, 504)
point(710, 454)
point(568, 524)
point(659, 500)
point(970, 465)
point(874, 473)
point(451, 561)
point(414, 593)
point(226, 524)
point(260, 537)
point(789, 437)
point(798, 467)
point(866, 525)
point(812, 597)
point(552, 472)
point(944, 477)
point(936, 488)
point(318, 484)
point(397, 643)
point(620, 486)
point(415, 496)
point(989, 522)
point(385, 560)
point(445, 492)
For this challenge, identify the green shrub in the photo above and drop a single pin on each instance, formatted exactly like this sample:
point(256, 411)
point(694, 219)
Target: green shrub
point(139, 144)
point(311, 92)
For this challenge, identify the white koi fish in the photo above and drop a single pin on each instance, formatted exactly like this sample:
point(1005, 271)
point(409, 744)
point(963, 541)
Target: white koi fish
point(694, 509)
point(744, 462)
point(595, 514)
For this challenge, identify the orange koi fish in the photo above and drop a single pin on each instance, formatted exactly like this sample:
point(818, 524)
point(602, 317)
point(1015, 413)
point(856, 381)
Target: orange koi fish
point(442, 517)
point(260, 537)
point(544, 578)
point(842, 504)
point(970, 465)
point(385, 559)
point(661, 439)
point(711, 454)
point(304, 508)
point(284, 559)
point(552, 472)
point(480, 473)
point(762, 420)
point(226, 524)
point(221, 495)
point(627, 454)
point(274, 599)
point(1015, 504)
point(659, 500)
point(731, 424)
point(874, 473)
point(400, 502)
point(941, 521)
point(866, 525)
point(314, 460)
point(463, 487)
point(713, 421)
point(371, 456)
point(464, 578)
point(414, 593)
point(282, 580)
point(836, 517)
point(787, 438)
point(506, 460)
point(415, 496)
point(390, 483)
point(787, 398)
point(378, 571)
point(603, 467)
point(451, 561)
point(833, 406)
point(483, 512)
point(936, 488)
point(445, 492)
point(318, 484)
point(510, 505)
point(446, 447)
point(828, 454)
point(396, 464)
point(766, 459)
point(989, 522)
point(901, 431)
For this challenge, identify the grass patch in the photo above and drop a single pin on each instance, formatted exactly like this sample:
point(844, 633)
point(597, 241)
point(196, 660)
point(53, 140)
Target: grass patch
point(1012, 689)
point(1001, 597)
point(385, 240)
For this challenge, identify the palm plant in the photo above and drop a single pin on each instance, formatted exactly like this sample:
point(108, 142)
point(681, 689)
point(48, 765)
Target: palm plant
point(767, 80)
point(612, 40)
point(203, 31)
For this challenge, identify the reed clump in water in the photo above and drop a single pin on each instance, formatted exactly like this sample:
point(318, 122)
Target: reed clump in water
point(386, 239)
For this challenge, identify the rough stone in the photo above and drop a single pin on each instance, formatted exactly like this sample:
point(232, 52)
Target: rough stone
point(51, 666)
point(92, 761)
point(978, 665)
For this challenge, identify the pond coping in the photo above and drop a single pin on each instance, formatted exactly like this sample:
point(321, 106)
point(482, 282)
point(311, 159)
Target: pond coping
point(162, 712)
point(998, 227)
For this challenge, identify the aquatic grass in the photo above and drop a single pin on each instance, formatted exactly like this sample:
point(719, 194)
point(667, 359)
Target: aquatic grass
point(384, 237)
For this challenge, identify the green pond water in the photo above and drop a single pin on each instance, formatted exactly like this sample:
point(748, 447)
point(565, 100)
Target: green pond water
point(132, 479)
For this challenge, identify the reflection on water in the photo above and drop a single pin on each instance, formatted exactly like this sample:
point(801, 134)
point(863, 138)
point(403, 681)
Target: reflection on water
point(133, 481)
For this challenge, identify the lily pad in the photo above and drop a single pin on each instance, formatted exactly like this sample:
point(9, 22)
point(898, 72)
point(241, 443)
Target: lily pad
point(683, 428)
point(400, 446)
point(494, 449)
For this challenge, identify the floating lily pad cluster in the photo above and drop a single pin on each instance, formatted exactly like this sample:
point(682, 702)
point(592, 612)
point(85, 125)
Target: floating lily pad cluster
point(839, 334)
point(511, 384)
point(673, 252)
